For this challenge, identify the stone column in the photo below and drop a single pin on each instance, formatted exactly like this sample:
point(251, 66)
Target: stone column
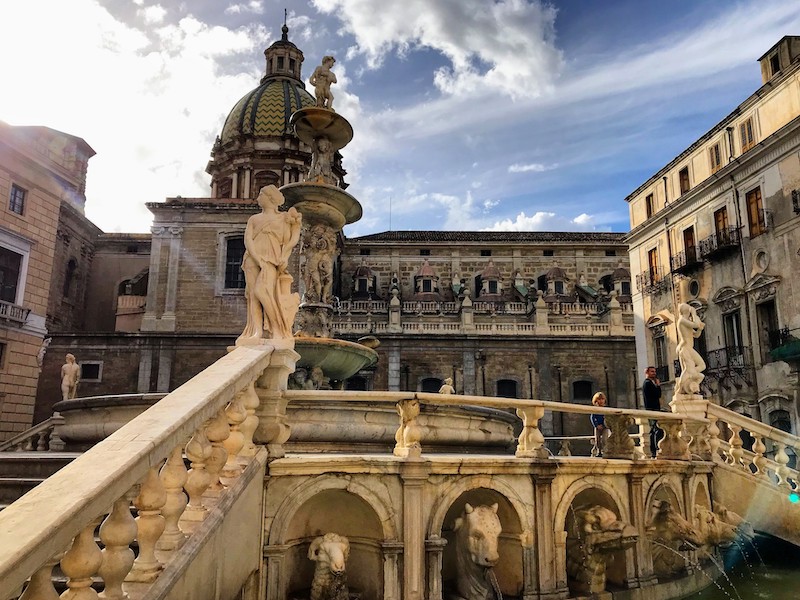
point(393, 369)
point(246, 192)
point(235, 185)
point(164, 368)
point(434, 547)
point(550, 564)
point(468, 358)
point(391, 570)
point(151, 310)
point(168, 318)
point(275, 578)
point(641, 551)
point(145, 368)
point(414, 473)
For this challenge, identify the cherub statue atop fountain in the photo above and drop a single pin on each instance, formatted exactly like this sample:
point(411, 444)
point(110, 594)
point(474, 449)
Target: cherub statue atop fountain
point(321, 79)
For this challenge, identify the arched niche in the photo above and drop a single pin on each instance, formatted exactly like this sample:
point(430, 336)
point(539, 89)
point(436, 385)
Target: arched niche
point(700, 496)
point(603, 489)
point(334, 505)
point(664, 488)
point(512, 514)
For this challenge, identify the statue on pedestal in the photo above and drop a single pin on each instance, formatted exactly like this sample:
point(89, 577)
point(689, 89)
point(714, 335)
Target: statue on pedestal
point(692, 364)
point(321, 79)
point(269, 239)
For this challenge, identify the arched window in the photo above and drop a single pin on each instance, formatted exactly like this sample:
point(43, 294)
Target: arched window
point(72, 265)
point(506, 388)
point(541, 283)
point(582, 391)
point(430, 384)
point(780, 419)
point(234, 253)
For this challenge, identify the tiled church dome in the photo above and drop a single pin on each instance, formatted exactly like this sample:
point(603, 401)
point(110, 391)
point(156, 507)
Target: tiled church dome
point(265, 111)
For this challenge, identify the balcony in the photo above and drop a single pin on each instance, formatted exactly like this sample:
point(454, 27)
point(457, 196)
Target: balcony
point(685, 262)
point(652, 281)
point(720, 244)
point(13, 313)
point(731, 366)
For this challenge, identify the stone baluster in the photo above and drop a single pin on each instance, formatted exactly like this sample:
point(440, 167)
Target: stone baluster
point(80, 563)
point(735, 452)
point(531, 439)
point(198, 451)
point(117, 532)
point(150, 525)
point(41, 443)
point(713, 437)
point(643, 449)
point(173, 475)
point(236, 413)
point(672, 446)
point(250, 424)
point(759, 461)
point(27, 445)
point(409, 433)
point(41, 583)
point(56, 443)
point(217, 432)
point(782, 471)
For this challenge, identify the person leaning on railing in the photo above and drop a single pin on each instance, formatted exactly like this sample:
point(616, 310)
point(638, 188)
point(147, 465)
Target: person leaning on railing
point(651, 390)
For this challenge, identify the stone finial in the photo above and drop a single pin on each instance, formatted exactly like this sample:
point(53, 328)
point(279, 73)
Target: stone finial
point(321, 79)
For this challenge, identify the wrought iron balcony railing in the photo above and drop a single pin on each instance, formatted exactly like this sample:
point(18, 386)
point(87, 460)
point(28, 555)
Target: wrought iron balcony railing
point(652, 281)
point(732, 365)
point(720, 243)
point(686, 261)
point(14, 313)
point(778, 337)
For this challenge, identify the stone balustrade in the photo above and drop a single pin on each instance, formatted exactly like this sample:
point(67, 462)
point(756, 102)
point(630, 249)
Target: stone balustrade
point(765, 440)
point(411, 307)
point(364, 327)
point(42, 437)
point(142, 465)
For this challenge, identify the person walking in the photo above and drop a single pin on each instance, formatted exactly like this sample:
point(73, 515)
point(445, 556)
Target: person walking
point(651, 390)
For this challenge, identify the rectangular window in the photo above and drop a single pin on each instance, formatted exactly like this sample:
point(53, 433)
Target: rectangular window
point(486, 252)
point(746, 135)
point(492, 287)
point(768, 331)
point(425, 252)
point(611, 252)
point(732, 326)
point(625, 286)
point(716, 158)
point(16, 203)
point(234, 276)
point(688, 245)
point(280, 63)
point(559, 287)
point(649, 205)
point(91, 371)
point(427, 285)
point(755, 212)
point(774, 63)
point(364, 252)
point(548, 253)
point(3, 347)
point(660, 357)
point(652, 264)
point(10, 267)
point(721, 221)
point(361, 286)
point(683, 177)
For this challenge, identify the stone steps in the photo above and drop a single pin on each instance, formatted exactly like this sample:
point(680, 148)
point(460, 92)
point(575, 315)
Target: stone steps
point(20, 472)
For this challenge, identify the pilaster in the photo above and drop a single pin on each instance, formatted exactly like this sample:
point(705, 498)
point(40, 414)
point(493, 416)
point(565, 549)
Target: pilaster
point(391, 570)
point(643, 576)
point(414, 473)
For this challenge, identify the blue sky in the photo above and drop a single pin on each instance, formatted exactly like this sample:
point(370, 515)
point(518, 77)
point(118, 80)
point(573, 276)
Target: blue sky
point(468, 114)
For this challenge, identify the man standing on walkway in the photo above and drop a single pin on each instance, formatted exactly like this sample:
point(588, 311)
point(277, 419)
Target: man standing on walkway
point(651, 389)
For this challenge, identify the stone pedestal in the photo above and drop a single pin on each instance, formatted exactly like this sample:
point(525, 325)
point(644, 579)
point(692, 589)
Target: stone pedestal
point(695, 407)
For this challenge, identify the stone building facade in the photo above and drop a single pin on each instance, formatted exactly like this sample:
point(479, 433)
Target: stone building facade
point(42, 185)
point(719, 227)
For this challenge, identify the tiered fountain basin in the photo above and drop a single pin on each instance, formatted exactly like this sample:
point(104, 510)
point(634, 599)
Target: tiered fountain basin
point(316, 427)
point(339, 359)
point(322, 203)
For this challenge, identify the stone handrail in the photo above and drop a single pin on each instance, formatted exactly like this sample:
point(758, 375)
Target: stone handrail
point(45, 434)
point(211, 409)
point(531, 441)
point(753, 462)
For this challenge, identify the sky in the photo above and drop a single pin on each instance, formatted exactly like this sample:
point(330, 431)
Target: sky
point(514, 115)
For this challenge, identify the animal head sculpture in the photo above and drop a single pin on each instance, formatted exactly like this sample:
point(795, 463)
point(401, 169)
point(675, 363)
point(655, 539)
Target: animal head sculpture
point(667, 525)
point(743, 528)
point(713, 530)
point(330, 550)
point(478, 529)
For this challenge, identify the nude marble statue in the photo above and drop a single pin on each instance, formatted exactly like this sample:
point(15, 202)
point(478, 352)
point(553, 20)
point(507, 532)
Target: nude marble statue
point(321, 79)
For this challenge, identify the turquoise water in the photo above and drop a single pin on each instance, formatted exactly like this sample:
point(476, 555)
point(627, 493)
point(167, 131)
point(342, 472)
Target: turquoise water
point(776, 578)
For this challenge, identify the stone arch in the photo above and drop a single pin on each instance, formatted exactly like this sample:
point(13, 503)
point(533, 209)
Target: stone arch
point(700, 494)
point(585, 483)
point(675, 495)
point(294, 501)
point(514, 516)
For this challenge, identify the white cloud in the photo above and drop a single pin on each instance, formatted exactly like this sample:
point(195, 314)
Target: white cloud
point(254, 6)
point(150, 102)
point(545, 221)
point(530, 168)
point(153, 15)
point(506, 46)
